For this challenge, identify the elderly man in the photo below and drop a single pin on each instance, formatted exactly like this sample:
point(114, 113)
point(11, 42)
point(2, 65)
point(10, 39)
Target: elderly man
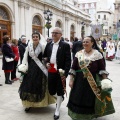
point(58, 56)
point(22, 47)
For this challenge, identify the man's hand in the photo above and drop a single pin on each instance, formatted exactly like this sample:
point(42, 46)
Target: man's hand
point(48, 66)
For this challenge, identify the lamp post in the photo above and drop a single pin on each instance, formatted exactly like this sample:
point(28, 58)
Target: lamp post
point(48, 16)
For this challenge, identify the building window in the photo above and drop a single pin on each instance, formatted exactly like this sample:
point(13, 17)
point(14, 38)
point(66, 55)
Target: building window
point(98, 16)
point(3, 14)
point(92, 5)
point(58, 24)
point(104, 17)
point(86, 6)
point(36, 20)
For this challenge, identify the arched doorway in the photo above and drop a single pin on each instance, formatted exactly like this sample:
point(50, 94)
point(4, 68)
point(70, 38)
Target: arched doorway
point(36, 24)
point(83, 32)
point(72, 33)
point(58, 24)
point(5, 25)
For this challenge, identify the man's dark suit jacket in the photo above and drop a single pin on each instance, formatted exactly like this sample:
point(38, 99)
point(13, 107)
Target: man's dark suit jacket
point(77, 46)
point(63, 57)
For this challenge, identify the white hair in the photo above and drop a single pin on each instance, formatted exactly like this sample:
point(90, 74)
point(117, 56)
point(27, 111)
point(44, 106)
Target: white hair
point(23, 38)
point(59, 29)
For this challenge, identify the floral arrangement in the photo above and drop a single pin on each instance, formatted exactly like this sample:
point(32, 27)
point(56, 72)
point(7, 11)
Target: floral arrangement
point(62, 73)
point(22, 68)
point(106, 84)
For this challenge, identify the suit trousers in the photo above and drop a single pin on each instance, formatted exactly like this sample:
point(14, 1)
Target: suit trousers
point(13, 73)
point(55, 84)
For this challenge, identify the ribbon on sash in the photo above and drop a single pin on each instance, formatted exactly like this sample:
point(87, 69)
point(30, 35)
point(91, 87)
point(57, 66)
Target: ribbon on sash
point(34, 57)
point(88, 75)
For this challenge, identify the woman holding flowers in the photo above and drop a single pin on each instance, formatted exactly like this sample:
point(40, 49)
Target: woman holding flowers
point(87, 100)
point(34, 89)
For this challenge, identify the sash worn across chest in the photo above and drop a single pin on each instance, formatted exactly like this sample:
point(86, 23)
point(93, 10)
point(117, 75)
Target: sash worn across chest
point(37, 61)
point(88, 75)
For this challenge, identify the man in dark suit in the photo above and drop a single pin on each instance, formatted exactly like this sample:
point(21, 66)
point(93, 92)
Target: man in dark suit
point(57, 54)
point(22, 48)
point(77, 46)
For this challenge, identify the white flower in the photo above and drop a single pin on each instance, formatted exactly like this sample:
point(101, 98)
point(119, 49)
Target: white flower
point(61, 71)
point(105, 84)
point(22, 68)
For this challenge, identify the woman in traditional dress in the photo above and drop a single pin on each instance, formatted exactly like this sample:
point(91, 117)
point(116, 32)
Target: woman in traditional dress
point(118, 51)
point(34, 87)
point(110, 51)
point(85, 101)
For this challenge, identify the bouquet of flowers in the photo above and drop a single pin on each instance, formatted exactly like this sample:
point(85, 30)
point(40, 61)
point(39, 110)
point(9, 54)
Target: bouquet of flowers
point(62, 73)
point(22, 68)
point(106, 86)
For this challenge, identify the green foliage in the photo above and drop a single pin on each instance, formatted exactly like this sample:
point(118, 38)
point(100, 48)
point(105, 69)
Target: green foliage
point(48, 26)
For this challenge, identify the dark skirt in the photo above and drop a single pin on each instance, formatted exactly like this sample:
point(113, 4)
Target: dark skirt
point(82, 98)
point(34, 84)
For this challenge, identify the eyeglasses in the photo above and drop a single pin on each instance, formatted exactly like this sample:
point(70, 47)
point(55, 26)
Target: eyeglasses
point(55, 33)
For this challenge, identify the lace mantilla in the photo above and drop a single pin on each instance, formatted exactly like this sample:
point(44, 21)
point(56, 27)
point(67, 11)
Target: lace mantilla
point(96, 55)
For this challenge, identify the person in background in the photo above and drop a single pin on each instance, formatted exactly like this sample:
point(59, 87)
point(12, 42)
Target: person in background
point(118, 51)
point(85, 101)
point(62, 38)
point(58, 56)
point(49, 39)
point(15, 50)
point(1, 84)
point(22, 47)
point(7, 52)
point(104, 42)
point(77, 46)
point(110, 51)
point(19, 41)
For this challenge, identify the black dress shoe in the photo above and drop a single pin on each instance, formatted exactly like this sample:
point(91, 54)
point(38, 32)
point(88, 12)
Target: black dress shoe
point(27, 109)
point(56, 117)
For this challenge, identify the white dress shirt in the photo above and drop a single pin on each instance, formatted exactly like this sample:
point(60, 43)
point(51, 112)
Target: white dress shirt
point(54, 53)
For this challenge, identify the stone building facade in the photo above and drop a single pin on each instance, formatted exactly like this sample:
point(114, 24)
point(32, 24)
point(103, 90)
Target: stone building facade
point(22, 17)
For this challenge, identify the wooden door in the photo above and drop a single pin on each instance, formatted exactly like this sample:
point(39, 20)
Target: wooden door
point(37, 28)
point(5, 29)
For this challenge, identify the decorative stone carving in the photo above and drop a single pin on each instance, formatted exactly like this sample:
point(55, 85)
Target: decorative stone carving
point(23, 4)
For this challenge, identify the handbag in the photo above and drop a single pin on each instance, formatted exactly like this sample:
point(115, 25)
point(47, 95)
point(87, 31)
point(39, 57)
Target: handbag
point(8, 59)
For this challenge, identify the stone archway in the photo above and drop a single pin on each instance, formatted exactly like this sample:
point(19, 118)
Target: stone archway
point(58, 24)
point(5, 24)
point(72, 33)
point(36, 24)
